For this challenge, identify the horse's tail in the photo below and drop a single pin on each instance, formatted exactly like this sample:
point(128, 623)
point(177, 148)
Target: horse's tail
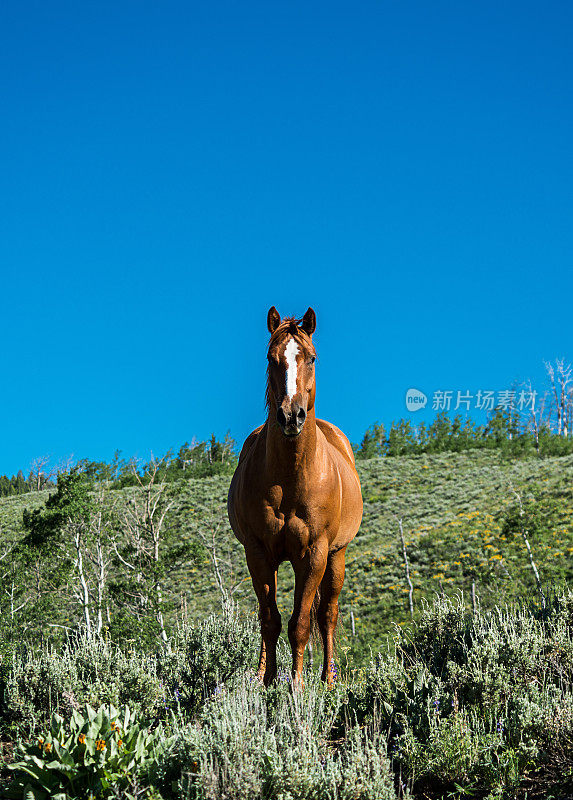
point(314, 628)
point(315, 635)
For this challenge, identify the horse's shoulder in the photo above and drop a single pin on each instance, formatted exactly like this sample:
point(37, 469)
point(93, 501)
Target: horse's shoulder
point(249, 442)
point(336, 438)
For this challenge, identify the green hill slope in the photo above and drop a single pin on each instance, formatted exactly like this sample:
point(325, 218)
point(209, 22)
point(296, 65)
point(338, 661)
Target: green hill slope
point(461, 522)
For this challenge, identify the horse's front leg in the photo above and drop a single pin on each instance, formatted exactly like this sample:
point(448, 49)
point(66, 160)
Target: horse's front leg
point(308, 571)
point(330, 589)
point(264, 577)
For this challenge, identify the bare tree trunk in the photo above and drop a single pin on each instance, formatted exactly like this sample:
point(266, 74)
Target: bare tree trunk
point(84, 594)
point(163, 632)
point(158, 592)
point(407, 569)
point(100, 582)
point(11, 592)
point(536, 423)
point(211, 546)
point(537, 415)
point(529, 552)
point(144, 523)
point(37, 470)
point(217, 571)
point(561, 377)
point(100, 560)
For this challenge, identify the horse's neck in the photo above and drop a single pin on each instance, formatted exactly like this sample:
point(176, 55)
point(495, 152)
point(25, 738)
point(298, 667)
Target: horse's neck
point(288, 455)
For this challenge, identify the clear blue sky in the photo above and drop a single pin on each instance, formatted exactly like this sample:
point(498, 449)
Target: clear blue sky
point(170, 170)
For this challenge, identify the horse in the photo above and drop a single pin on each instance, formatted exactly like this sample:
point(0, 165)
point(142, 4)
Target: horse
point(295, 496)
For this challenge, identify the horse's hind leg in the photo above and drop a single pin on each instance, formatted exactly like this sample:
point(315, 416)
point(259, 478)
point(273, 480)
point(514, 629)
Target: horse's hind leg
point(330, 589)
point(264, 577)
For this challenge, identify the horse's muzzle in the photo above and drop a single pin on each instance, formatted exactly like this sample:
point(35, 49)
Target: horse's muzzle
point(291, 418)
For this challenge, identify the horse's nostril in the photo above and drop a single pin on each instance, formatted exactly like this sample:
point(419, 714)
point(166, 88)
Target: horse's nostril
point(301, 416)
point(281, 417)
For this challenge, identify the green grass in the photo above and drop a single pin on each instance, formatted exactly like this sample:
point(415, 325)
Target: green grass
point(453, 506)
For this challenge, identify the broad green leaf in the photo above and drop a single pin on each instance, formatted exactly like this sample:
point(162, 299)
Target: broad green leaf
point(140, 745)
point(77, 719)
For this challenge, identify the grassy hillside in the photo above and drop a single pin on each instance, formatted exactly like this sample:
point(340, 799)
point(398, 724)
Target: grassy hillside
point(459, 518)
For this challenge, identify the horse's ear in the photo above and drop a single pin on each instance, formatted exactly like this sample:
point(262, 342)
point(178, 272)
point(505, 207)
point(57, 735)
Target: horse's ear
point(309, 322)
point(273, 319)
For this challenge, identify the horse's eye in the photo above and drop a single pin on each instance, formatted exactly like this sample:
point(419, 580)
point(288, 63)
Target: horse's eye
point(312, 360)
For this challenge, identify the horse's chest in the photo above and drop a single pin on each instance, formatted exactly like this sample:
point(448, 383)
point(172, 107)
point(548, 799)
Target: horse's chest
point(300, 517)
point(279, 520)
point(285, 533)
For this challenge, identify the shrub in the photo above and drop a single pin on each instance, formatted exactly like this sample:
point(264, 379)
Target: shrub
point(84, 671)
point(459, 703)
point(484, 698)
point(209, 654)
point(254, 743)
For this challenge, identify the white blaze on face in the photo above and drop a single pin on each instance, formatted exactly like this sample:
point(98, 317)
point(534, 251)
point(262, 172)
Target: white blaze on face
point(291, 351)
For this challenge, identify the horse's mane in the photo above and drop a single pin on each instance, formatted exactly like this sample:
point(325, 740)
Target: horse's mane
point(289, 326)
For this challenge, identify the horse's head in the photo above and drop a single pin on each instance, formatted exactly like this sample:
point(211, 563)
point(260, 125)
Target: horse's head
point(290, 384)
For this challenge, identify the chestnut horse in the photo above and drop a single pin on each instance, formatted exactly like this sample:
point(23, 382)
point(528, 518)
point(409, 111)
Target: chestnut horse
point(295, 496)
